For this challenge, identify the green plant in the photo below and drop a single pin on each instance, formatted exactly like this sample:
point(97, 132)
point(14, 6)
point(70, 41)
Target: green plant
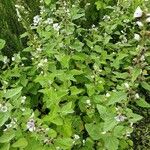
point(73, 86)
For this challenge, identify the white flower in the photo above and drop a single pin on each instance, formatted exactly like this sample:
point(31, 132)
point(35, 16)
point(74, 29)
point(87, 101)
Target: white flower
point(107, 95)
point(103, 132)
point(56, 26)
point(137, 37)
point(83, 141)
point(88, 102)
point(23, 98)
point(49, 21)
point(128, 134)
point(4, 109)
point(5, 60)
point(5, 82)
point(22, 109)
point(39, 49)
point(13, 58)
point(106, 17)
point(126, 85)
point(58, 148)
point(31, 125)
point(142, 58)
point(148, 20)
point(45, 60)
point(93, 26)
point(137, 96)
point(120, 118)
point(8, 125)
point(139, 23)
point(36, 20)
point(76, 137)
point(100, 82)
point(148, 15)
point(138, 13)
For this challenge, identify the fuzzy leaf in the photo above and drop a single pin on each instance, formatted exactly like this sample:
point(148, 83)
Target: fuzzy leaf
point(21, 143)
point(7, 136)
point(2, 43)
point(146, 86)
point(143, 103)
point(12, 92)
point(117, 97)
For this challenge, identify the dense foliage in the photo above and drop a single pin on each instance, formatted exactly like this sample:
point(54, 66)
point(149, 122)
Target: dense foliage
point(82, 80)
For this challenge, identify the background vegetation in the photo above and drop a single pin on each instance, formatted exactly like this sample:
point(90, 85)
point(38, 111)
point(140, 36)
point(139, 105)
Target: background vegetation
point(11, 30)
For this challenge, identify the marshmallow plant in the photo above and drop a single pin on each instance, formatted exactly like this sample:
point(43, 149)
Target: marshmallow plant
point(72, 86)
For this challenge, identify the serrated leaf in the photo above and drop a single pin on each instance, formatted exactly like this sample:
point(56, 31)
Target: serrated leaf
point(146, 86)
point(2, 43)
point(77, 16)
point(67, 109)
point(119, 131)
point(100, 5)
point(52, 133)
point(21, 143)
point(77, 45)
point(142, 103)
point(64, 143)
point(135, 118)
point(12, 92)
point(117, 97)
point(109, 124)
point(102, 111)
point(3, 118)
point(90, 89)
point(135, 73)
point(75, 90)
point(47, 2)
point(111, 143)
point(7, 136)
point(5, 146)
point(94, 130)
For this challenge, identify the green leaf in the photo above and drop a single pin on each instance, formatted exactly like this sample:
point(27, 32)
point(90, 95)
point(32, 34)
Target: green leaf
point(52, 133)
point(109, 124)
point(21, 143)
point(7, 136)
point(102, 111)
point(75, 90)
point(64, 60)
point(117, 97)
point(146, 86)
point(94, 130)
point(3, 118)
point(100, 5)
point(34, 145)
point(2, 43)
point(12, 92)
point(135, 118)
point(47, 2)
point(119, 131)
point(77, 45)
point(64, 143)
point(5, 146)
point(135, 73)
point(111, 143)
point(67, 109)
point(90, 89)
point(57, 120)
point(142, 103)
point(77, 16)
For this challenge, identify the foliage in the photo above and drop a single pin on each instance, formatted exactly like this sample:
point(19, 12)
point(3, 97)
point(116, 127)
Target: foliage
point(74, 86)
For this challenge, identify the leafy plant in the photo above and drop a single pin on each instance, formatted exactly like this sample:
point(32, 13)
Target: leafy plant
point(73, 87)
